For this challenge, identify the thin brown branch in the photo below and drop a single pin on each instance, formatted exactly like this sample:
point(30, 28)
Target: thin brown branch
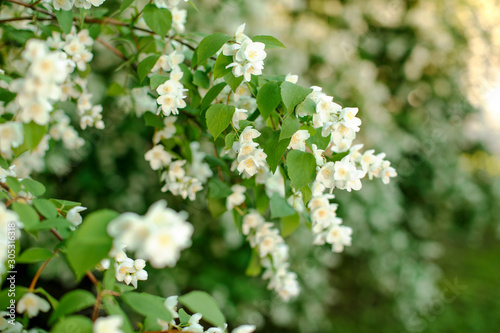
point(97, 304)
point(39, 272)
point(112, 48)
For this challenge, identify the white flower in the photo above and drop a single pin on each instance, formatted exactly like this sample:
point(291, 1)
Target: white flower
point(74, 215)
point(254, 52)
point(193, 324)
point(32, 305)
point(248, 134)
point(96, 3)
point(244, 329)
point(298, 140)
point(179, 19)
point(110, 324)
point(251, 222)
point(63, 4)
point(249, 165)
point(318, 155)
point(349, 119)
point(325, 175)
point(176, 170)
point(339, 236)
point(11, 136)
point(168, 131)
point(158, 157)
point(128, 270)
point(239, 114)
point(171, 305)
point(236, 198)
point(291, 78)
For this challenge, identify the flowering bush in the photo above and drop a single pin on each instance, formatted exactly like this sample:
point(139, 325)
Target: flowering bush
point(261, 147)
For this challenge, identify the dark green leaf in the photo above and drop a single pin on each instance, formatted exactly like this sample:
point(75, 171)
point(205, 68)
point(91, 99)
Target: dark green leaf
point(306, 107)
point(201, 79)
point(229, 140)
point(34, 187)
point(45, 207)
point(34, 254)
point(73, 324)
point(218, 189)
point(275, 149)
point(146, 65)
point(158, 19)
point(232, 81)
point(13, 184)
point(268, 98)
point(301, 168)
point(202, 302)
point(211, 95)
point(270, 41)
point(289, 127)
point(125, 4)
point(27, 215)
point(72, 302)
point(279, 207)
point(65, 20)
point(147, 305)
point(210, 45)
point(91, 242)
point(218, 118)
point(156, 80)
point(293, 94)
point(153, 120)
point(221, 63)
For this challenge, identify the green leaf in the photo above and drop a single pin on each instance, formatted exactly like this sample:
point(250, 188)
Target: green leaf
point(202, 302)
point(115, 89)
point(218, 118)
point(125, 4)
point(90, 243)
point(337, 156)
point(3, 163)
point(45, 207)
point(275, 149)
point(65, 205)
point(151, 324)
point(156, 80)
point(201, 79)
point(34, 254)
point(221, 63)
point(72, 302)
point(229, 140)
point(112, 308)
point(289, 224)
point(146, 65)
point(268, 98)
point(147, 305)
point(153, 120)
point(293, 94)
point(306, 107)
point(5, 298)
point(232, 81)
point(211, 95)
point(279, 207)
point(183, 317)
point(57, 222)
point(27, 215)
point(73, 324)
point(13, 184)
point(65, 20)
point(210, 45)
point(33, 134)
point(109, 279)
point(301, 168)
point(34, 187)
point(94, 31)
point(269, 41)
point(218, 189)
point(254, 267)
point(289, 127)
point(158, 19)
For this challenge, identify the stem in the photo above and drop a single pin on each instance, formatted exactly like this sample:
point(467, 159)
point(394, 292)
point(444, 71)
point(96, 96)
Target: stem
point(39, 272)
point(97, 304)
point(111, 48)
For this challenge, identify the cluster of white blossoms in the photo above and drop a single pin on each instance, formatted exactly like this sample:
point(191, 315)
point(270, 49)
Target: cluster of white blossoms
point(373, 165)
point(237, 197)
point(326, 225)
point(273, 251)
point(68, 4)
point(41, 87)
point(128, 270)
point(248, 56)
point(11, 136)
point(171, 92)
point(341, 174)
point(193, 324)
point(251, 158)
point(180, 177)
point(61, 130)
point(341, 123)
point(109, 324)
point(158, 237)
point(178, 15)
point(9, 227)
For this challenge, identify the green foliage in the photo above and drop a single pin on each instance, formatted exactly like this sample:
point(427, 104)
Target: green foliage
point(293, 94)
point(34, 187)
point(27, 215)
point(221, 63)
point(65, 20)
point(146, 66)
point(147, 305)
point(210, 45)
point(270, 41)
point(232, 81)
point(301, 168)
point(201, 302)
point(218, 189)
point(218, 118)
point(74, 324)
point(156, 80)
point(289, 127)
point(34, 254)
point(90, 243)
point(211, 95)
point(279, 207)
point(268, 98)
point(72, 302)
point(289, 224)
point(157, 19)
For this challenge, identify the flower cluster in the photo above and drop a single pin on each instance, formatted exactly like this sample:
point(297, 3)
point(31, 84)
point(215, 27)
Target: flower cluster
point(158, 237)
point(273, 251)
point(128, 270)
point(32, 304)
point(341, 174)
point(251, 158)
point(68, 4)
point(248, 56)
point(171, 92)
point(326, 226)
point(11, 136)
point(41, 87)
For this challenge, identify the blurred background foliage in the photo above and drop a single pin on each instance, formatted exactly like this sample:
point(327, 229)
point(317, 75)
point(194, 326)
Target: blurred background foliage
point(423, 76)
